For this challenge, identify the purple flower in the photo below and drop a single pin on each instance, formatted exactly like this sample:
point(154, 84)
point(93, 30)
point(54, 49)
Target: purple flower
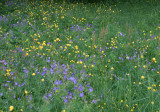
point(26, 71)
point(43, 73)
point(70, 93)
point(44, 69)
point(51, 70)
point(70, 96)
point(81, 94)
point(72, 79)
point(94, 101)
point(65, 100)
point(5, 63)
point(90, 89)
point(75, 88)
point(65, 71)
point(88, 85)
point(55, 89)
point(50, 95)
point(57, 82)
point(65, 77)
point(1, 94)
point(80, 88)
point(16, 83)
point(11, 73)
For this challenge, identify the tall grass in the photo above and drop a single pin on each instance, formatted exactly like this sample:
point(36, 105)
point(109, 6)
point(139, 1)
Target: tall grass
point(79, 57)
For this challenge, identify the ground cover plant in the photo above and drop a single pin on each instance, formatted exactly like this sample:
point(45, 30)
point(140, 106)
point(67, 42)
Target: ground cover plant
point(79, 57)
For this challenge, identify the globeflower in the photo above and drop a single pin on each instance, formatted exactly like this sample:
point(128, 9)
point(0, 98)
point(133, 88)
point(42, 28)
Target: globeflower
point(11, 108)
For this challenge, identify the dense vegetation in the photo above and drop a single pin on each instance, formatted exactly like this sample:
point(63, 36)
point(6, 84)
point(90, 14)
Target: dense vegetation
point(79, 57)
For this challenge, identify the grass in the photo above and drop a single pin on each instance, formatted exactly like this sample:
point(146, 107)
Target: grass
point(75, 57)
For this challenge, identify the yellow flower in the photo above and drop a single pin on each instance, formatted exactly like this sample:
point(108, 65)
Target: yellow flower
point(112, 68)
point(76, 47)
point(81, 62)
point(11, 108)
point(152, 103)
point(92, 65)
point(26, 92)
point(27, 54)
point(121, 100)
point(154, 59)
point(142, 77)
point(33, 74)
point(63, 111)
point(144, 66)
point(42, 80)
point(62, 17)
point(149, 88)
point(21, 109)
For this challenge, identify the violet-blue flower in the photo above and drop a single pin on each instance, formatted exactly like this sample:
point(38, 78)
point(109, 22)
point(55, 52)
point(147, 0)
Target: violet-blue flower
point(81, 94)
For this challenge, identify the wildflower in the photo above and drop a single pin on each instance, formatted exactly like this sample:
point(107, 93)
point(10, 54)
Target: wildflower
point(152, 103)
point(11, 108)
point(127, 57)
point(62, 17)
point(66, 100)
point(81, 94)
point(63, 111)
point(57, 82)
point(142, 77)
point(99, 106)
point(81, 88)
point(55, 89)
point(90, 89)
point(42, 80)
point(33, 74)
point(76, 47)
point(154, 59)
point(132, 110)
point(149, 88)
point(26, 92)
point(21, 109)
point(112, 68)
point(121, 101)
point(94, 101)
point(104, 103)
point(144, 66)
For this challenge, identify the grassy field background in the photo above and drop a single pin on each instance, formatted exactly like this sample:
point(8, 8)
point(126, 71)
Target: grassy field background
point(79, 57)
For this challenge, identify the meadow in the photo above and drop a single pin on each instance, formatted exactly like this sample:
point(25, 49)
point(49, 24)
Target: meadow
point(79, 57)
